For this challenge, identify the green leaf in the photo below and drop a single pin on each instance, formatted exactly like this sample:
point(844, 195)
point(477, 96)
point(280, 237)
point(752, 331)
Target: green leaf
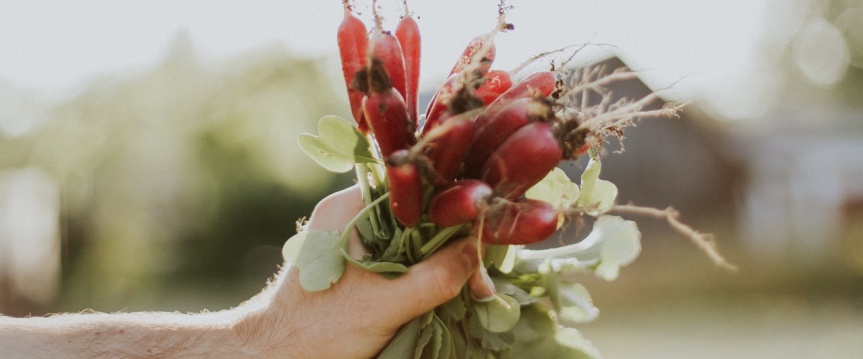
point(375, 266)
point(575, 304)
point(539, 337)
point(501, 256)
point(597, 196)
point(572, 339)
point(498, 314)
point(441, 339)
point(423, 339)
point(505, 286)
point(291, 249)
point(404, 343)
point(454, 309)
point(320, 260)
point(556, 188)
point(614, 242)
point(338, 145)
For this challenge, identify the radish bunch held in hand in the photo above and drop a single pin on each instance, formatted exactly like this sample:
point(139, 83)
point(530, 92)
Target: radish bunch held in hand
point(481, 160)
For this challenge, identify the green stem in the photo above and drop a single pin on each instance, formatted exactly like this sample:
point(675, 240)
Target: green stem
point(347, 232)
point(439, 239)
point(363, 179)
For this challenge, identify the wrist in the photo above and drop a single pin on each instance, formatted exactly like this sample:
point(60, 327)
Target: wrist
point(265, 326)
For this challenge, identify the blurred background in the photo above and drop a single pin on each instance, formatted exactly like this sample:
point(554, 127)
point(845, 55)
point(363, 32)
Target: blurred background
point(148, 156)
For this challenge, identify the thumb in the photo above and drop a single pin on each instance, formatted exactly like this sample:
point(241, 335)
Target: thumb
point(433, 281)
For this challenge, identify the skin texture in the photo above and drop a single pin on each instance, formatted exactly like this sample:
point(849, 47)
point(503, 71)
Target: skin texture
point(353, 319)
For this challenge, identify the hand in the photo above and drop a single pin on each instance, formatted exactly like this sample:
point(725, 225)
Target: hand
point(360, 313)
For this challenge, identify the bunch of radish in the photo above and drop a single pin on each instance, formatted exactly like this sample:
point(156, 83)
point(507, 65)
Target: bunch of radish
point(483, 141)
point(480, 160)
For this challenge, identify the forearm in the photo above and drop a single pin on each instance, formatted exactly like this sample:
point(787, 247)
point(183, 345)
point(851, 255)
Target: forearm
point(132, 335)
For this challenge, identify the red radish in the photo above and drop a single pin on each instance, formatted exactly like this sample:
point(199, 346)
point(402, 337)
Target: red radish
point(385, 46)
point(511, 118)
point(438, 105)
point(408, 34)
point(496, 83)
point(385, 111)
point(522, 160)
point(456, 96)
point(476, 58)
point(459, 202)
point(446, 147)
point(524, 221)
point(406, 188)
point(540, 84)
point(480, 52)
point(581, 150)
point(352, 39)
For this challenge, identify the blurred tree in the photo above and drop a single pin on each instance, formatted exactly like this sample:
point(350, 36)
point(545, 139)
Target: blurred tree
point(181, 176)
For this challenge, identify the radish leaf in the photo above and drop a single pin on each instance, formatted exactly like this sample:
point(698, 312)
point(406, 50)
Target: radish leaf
point(338, 145)
point(555, 188)
point(319, 260)
point(613, 243)
point(498, 314)
point(403, 344)
point(597, 196)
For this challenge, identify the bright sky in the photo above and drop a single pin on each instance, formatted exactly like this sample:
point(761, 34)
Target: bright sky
point(56, 46)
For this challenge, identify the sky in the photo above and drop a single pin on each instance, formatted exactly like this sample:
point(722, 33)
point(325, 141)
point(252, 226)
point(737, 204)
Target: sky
point(54, 47)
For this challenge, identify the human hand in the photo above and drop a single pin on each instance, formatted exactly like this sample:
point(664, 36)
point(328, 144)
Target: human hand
point(359, 314)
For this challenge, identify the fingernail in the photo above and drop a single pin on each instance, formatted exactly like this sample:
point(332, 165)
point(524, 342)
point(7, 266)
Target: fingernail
point(469, 256)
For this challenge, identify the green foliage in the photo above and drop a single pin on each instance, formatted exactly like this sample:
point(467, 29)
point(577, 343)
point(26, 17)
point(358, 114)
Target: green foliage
point(556, 188)
point(338, 145)
point(597, 195)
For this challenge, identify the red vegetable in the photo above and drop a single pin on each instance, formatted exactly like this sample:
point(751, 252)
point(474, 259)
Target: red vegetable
point(458, 203)
point(498, 129)
point(538, 84)
point(480, 52)
point(408, 34)
point(438, 104)
point(385, 110)
point(352, 39)
point(446, 147)
point(522, 160)
point(496, 83)
point(406, 188)
point(524, 221)
point(385, 46)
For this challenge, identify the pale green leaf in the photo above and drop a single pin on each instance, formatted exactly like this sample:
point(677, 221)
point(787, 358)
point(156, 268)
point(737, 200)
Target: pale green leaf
point(556, 188)
point(498, 314)
point(441, 339)
point(540, 337)
point(572, 339)
point(292, 247)
point(614, 242)
point(504, 285)
point(423, 339)
point(501, 256)
point(338, 145)
point(597, 196)
point(575, 304)
point(375, 266)
point(404, 343)
point(320, 260)
point(454, 309)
